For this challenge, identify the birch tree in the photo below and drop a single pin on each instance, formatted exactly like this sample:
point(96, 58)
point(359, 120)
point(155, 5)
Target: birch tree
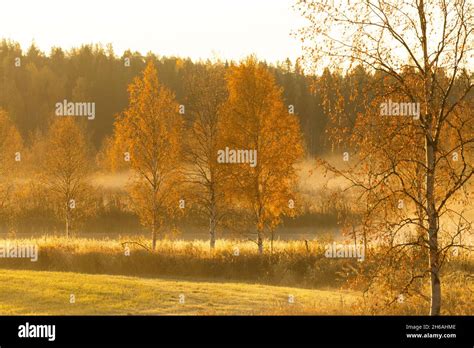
point(147, 139)
point(206, 91)
point(64, 169)
point(11, 145)
point(257, 120)
point(412, 172)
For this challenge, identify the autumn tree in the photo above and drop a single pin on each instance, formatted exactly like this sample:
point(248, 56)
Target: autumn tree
point(206, 92)
point(11, 146)
point(148, 136)
point(64, 169)
point(410, 170)
point(257, 120)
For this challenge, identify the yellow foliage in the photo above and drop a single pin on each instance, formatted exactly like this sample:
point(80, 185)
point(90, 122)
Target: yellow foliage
point(147, 136)
point(257, 119)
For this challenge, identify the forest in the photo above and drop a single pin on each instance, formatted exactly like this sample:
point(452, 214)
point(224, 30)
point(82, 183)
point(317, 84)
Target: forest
point(340, 182)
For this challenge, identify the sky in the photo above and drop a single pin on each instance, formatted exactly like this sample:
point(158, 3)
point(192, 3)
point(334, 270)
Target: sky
point(200, 29)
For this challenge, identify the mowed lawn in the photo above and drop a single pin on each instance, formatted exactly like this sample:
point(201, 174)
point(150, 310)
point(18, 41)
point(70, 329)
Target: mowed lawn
point(49, 293)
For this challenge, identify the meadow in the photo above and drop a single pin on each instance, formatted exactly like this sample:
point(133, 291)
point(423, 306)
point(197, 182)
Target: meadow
point(121, 277)
point(49, 293)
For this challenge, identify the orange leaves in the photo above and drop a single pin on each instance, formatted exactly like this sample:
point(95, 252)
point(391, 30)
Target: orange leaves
point(257, 119)
point(10, 144)
point(148, 135)
point(64, 170)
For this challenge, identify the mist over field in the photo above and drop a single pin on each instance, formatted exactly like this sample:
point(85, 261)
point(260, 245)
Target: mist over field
point(337, 180)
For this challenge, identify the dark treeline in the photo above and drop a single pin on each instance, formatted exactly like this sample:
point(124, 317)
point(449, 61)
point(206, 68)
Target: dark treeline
point(32, 82)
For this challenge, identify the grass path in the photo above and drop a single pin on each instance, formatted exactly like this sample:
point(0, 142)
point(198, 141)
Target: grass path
point(48, 293)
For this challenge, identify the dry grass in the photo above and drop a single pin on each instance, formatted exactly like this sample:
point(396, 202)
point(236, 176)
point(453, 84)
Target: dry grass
point(291, 263)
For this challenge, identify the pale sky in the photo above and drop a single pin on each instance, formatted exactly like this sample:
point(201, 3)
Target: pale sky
point(228, 29)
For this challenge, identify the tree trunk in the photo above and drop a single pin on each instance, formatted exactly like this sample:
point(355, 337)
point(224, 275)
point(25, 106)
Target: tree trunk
point(212, 226)
point(432, 231)
point(366, 245)
point(67, 219)
point(153, 236)
point(354, 233)
point(435, 277)
point(260, 242)
point(271, 243)
point(212, 233)
point(430, 150)
point(154, 215)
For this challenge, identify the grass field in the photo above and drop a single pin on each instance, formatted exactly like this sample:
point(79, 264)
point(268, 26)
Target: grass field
point(49, 293)
point(106, 280)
